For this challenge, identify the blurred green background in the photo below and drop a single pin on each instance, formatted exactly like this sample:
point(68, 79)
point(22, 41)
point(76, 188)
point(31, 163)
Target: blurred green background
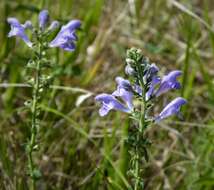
point(79, 149)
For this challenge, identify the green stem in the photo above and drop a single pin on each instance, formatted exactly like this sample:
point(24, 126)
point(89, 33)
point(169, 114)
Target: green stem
point(139, 135)
point(137, 170)
point(141, 130)
point(34, 123)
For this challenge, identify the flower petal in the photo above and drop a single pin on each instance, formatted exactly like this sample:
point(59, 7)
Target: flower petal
point(155, 81)
point(123, 83)
point(104, 110)
point(125, 95)
point(138, 89)
point(153, 68)
point(18, 30)
point(68, 46)
point(66, 36)
point(173, 108)
point(109, 102)
point(151, 71)
point(72, 25)
point(129, 70)
point(125, 91)
point(169, 82)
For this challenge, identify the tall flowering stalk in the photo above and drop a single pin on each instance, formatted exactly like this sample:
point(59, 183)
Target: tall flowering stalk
point(145, 86)
point(39, 64)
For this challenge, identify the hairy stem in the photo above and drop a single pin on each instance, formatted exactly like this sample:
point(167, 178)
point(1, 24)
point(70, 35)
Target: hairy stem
point(34, 122)
point(137, 169)
point(137, 185)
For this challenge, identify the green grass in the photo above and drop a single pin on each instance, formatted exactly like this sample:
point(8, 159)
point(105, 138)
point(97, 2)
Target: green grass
point(79, 149)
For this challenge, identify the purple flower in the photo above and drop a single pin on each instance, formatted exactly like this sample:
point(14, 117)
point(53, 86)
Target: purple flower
point(151, 72)
point(155, 81)
point(138, 89)
point(173, 108)
point(66, 37)
point(153, 68)
point(18, 29)
point(109, 102)
point(129, 70)
point(125, 91)
point(169, 82)
point(43, 19)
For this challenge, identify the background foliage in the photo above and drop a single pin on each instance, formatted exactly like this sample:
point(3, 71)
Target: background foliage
point(81, 150)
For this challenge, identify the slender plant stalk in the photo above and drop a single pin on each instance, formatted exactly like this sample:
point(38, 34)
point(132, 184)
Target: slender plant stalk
point(137, 170)
point(140, 133)
point(41, 80)
point(35, 121)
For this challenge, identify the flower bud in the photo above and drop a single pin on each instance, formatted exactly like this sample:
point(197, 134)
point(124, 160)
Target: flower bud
point(135, 54)
point(129, 70)
point(145, 61)
point(31, 64)
point(43, 53)
point(54, 25)
point(28, 103)
point(138, 51)
point(129, 61)
point(41, 90)
point(43, 19)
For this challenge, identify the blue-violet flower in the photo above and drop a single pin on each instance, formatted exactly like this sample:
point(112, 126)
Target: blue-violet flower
point(169, 82)
point(173, 108)
point(109, 102)
point(66, 37)
point(125, 91)
point(155, 81)
point(18, 29)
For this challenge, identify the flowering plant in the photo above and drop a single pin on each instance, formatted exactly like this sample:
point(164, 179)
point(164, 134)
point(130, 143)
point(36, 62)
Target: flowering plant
point(145, 86)
point(38, 65)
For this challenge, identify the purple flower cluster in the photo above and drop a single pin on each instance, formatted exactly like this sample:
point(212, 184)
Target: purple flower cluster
point(65, 39)
point(122, 98)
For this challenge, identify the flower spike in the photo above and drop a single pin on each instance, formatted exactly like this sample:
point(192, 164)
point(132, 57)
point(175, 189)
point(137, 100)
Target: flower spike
point(145, 86)
point(40, 75)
